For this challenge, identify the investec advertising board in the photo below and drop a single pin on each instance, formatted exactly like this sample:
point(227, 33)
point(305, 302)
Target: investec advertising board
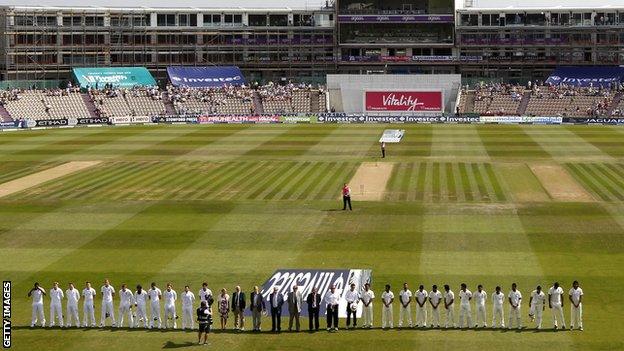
point(403, 101)
point(322, 279)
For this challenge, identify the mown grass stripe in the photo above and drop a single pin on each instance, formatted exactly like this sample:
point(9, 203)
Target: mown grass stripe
point(485, 196)
point(465, 180)
point(284, 180)
point(420, 182)
point(255, 174)
point(592, 170)
point(242, 176)
point(320, 174)
point(181, 192)
point(615, 180)
point(459, 189)
point(121, 185)
point(406, 180)
point(306, 179)
point(203, 186)
point(229, 176)
point(153, 182)
point(584, 179)
point(321, 187)
point(435, 182)
point(450, 182)
point(493, 179)
point(72, 192)
point(257, 188)
point(345, 172)
point(294, 181)
point(22, 171)
point(57, 189)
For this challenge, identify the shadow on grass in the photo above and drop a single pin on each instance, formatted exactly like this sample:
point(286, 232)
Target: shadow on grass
point(173, 345)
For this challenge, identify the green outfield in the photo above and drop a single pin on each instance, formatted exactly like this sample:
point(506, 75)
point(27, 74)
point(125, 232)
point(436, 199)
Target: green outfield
point(229, 204)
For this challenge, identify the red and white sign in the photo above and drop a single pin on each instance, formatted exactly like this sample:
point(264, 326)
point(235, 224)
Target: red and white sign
point(403, 101)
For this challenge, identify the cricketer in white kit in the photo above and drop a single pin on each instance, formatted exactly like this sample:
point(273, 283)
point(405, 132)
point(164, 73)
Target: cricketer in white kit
point(387, 318)
point(108, 291)
point(73, 296)
point(480, 296)
point(37, 293)
point(125, 306)
point(367, 309)
point(188, 300)
point(537, 304)
point(498, 300)
point(449, 306)
point(435, 297)
point(88, 307)
point(170, 296)
point(576, 306)
point(154, 295)
point(555, 302)
point(420, 296)
point(465, 296)
point(56, 304)
point(140, 301)
point(405, 310)
point(515, 300)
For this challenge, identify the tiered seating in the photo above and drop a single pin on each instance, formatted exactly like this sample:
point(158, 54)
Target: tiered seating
point(47, 104)
point(322, 108)
point(567, 101)
point(229, 100)
point(277, 105)
point(499, 99)
point(301, 100)
point(124, 102)
point(462, 105)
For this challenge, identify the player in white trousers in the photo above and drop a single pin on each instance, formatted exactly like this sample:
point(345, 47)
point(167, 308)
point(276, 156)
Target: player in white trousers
point(420, 296)
point(88, 308)
point(188, 300)
point(37, 293)
point(154, 295)
point(56, 305)
point(387, 298)
point(498, 300)
point(449, 307)
point(170, 296)
point(480, 296)
point(435, 297)
point(367, 306)
point(108, 292)
point(537, 304)
point(405, 310)
point(515, 300)
point(576, 306)
point(555, 303)
point(73, 296)
point(126, 298)
point(140, 301)
point(465, 296)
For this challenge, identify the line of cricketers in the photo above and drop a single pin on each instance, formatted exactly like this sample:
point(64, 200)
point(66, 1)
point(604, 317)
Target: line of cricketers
point(428, 306)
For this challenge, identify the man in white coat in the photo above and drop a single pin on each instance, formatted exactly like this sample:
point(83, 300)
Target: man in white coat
point(37, 293)
point(435, 297)
point(73, 296)
point(56, 305)
point(480, 296)
point(537, 304)
point(576, 306)
point(465, 296)
point(420, 296)
point(125, 306)
point(88, 307)
point(188, 300)
point(498, 300)
point(405, 309)
point(154, 295)
point(108, 292)
point(555, 302)
point(140, 301)
point(449, 306)
point(515, 299)
point(170, 297)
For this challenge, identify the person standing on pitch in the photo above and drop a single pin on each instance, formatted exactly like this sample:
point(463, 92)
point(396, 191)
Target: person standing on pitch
point(140, 301)
point(537, 306)
point(555, 302)
point(314, 302)
point(515, 300)
point(188, 299)
point(257, 307)
point(435, 297)
point(332, 301)
point(367, 309)
point(56, 304)
point(277, 300)
point(108, 292)
point(88, 306)
point(37, 293)
point(465, 296)
point(238, 308)
point(405, 297)
point(576, 307)
point(449, 306)
point(154, 295)
point(420, 296)
point(204, 320)
point(72, 296)
point(387, 318)
point(346, 197)
point(295, 300)
point(170, 296)
point(352, 297)
point(125, 306)
point(383, 149)
point(498, 299)
point(480, 297)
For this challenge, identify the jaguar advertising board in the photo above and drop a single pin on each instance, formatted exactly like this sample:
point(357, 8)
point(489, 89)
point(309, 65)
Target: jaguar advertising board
point(403, 101)
point(322, 279)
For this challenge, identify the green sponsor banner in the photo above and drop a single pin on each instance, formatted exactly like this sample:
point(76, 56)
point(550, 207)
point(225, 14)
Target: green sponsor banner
point(300, 118)
point(123, 77)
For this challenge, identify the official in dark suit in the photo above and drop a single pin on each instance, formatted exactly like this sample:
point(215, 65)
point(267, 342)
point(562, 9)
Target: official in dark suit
point(256, 306)
point(314, 301)
point(276, 300)
point(238, 308)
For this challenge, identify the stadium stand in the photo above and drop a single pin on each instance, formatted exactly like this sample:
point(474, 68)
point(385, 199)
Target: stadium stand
point(128, 102)
point(45, 104)
point(227, 100)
